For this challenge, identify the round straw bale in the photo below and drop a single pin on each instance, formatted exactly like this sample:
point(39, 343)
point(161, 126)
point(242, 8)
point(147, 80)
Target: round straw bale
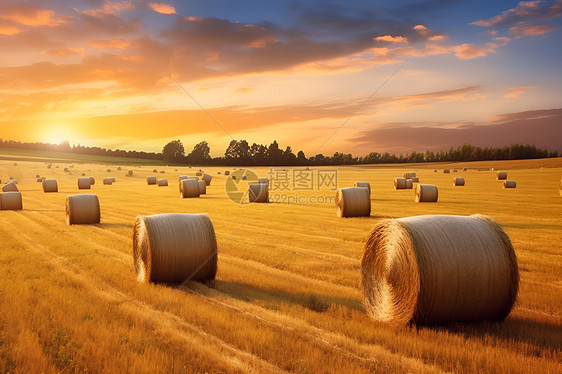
point(436, 269)
point(399, 183)
point(130, 173)
point(458, 181)
point(501, 175)
point(409, 184)
point(83, 174)
point(37, 176)
point(50, 185)
point(199, 174)
point(464, 169)
point(92, 181)
point(242, 177)
point(109, 170)
point(182, 177)
point(207, 178)
point(162, 182)
point(65, 170)
point(162, 171)
point(263, 180)
point(258, 193)
point(10, 187)
point(409, 175)
point(107, 181)
point(446, 171)
point(82, 209)
point(154, 171)
point(426, 193)
point(174, 247)
point(454, 170)
point(435, 171)
point(233, 177)
point(227, 172)
point(415, 180)
point(49, 166)
point(366, 185)
point(84, 183)
point(119, 168)
point(202, 187)
point(39, 180)
point(509, 184)
point(11, 201)
point(353, 202)
point(189, 188)
point(151, 180)
point(15, 164)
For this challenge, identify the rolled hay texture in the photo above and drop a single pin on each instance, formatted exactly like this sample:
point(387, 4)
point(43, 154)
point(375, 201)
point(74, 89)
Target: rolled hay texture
point(92, 181)
point(399, 183)
point(446, 171)
point(409, 175)
point(202, 187)
point(258, 193)
point(84, 183)
point(409, 184)
point(82, 209)
point(353, 202)
point(108, 181)
point(458, 181)
point(174, 247)
point(151, 180)
point(509, 184)
point(426, 193)
point(501, 175)
point(189, 188)
point(227, 172)
point(162, 182)
point(199, 174)
point(207, 178)
point(437, 269)
point(263, 181)
point(10, 187)
point(366, 185)
point(11, 201)
point(50, 185)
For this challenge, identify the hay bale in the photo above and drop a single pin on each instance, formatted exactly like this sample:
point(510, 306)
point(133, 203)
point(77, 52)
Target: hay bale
point(162, 182)
point(119, 168)
point(207, 178)
point(242, 177)
point(10, 187)
point(84, 183)
point(182, 177)
point(409, 175)
point(65, 170)
point(50, 185)
point(426, 193)
point(446, 171)
point(458, 181)
point(92, 181)
point(198, 173)
point(227, 172)
point(435, 171)
point(415, 180)
point(353, 202)
point(11, 201)
point(509, 184)
point(38, 176)
point(130, 173)
point(174, 248)
point(15, 164)
point(233, 177)
point(189, 188)
point(366, 185)
point(49, 166)
point(162, 171)
point(464, 169)
point(409, 184)
point(263, 181)
point(258, 193)
point(454, 170)
point(107, 181)
point(109, 170)
point(151, 180)
point(39, 180)
point(437, 269)
point(82, 209)
point(83, 174)
point(501, 175)
point(154, 171)
point(202, 187)
point(399, 183)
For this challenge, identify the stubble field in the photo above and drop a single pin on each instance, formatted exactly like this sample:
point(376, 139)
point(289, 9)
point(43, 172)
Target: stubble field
point(287, 294)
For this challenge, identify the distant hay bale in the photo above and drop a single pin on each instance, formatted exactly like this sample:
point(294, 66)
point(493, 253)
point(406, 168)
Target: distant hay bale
point(426, 193)
point(92, 181)
point(409, 175)
point(189, 188)
point(119, 168)
point(49, 166)
point(446, 171)
point(151, 180)
point(227, 172)
point(182, 177)
point(11, 201)
point(435, 171)
point(202, 187)
point(242, 177)
point(109, 170)
point(207, 178)
point(162, 171)
point(83, 174)
point(454, 170)
point(399, 183)
point(458, 181)
point(39, 180)
point(258, 193)
point(84, 183)
point(366, 185)
point(464, 169)
point(409, 184)
point(233, 177)
point(219, 173)
point(82, 209)
point(10, 187)
point(353, 202)
point(15, 164)
point(501, 175)
point(107, 181)
point(50, 185)
point(37, 176)
point(130, 173)
point(263, 181)
point(199, 174)
point(174, 247)
point(154, 171)
point(162, 182)
point(437, 269)
point(65, 170)
point(415, 180)
point(509, 184)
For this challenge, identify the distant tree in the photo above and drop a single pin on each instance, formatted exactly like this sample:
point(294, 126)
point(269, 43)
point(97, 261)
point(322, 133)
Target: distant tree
point(274, 154)
point(201, 154)
point(238, 153)
point(174, 152)
point(301, 158)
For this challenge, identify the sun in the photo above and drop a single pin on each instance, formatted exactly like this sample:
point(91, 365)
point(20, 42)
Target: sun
point(57, 134)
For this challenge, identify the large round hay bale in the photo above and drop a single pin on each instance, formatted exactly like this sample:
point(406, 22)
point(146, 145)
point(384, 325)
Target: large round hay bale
point(501, 175)
point(151, 180)
point(49, 166)
point(11, 201)
point(258, 193)
point(458, 181)
point(399, 183)
point(207, 178)
point(409, 184)
point(227, 172)
point(509, 184)
point(437, 269)
point(426, 193)
point(107, 181)
point(366, 185)
point(174, 248)
point(10, 187)
point(50, 185)
point(82, 209)
point(189, 188)
point(263, 181)
point(84, 183)
point(202, 187)
point(464, 169)
point(353, 202)
point(162, 182)
point(446, 171)
point(409, 175)
point(92, 181)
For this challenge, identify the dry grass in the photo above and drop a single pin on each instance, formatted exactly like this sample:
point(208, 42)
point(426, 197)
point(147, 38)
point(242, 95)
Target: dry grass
point(287, 295)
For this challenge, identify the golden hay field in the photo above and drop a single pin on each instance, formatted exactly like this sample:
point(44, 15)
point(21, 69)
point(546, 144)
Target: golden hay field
point(287, 295)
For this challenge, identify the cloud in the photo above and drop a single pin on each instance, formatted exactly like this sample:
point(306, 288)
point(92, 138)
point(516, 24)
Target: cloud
point(27, 14)
point(421, 29)
point(530, 30)
point(64, 52)
point(108, 43)
point(515, 92)
point(524, 11)
point(392, 39)
point(162, 8)
point(470, 51)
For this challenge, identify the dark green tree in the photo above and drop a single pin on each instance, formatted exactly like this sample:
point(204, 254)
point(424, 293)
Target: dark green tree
point(201, 154)
point(174, 152)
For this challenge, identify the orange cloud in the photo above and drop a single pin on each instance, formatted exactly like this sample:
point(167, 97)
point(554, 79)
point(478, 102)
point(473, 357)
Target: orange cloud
point(8, 30)
point(437, 38)
point(470, 51)
point(116, 43)
point(524, 11)
point(515, 92)
point(64, 52)
point(421, 29)
point(392, 39)
point(531, 30)
point(162, 8)
point(28, 15)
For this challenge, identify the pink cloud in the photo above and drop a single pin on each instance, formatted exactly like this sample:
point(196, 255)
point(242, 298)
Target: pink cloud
point(530, 30)
point(470, 51)
point(515, 92)
point(421, 29)
point(437, 38)
point(392, 39)
point(64, 52)
point(162, 8)
point(524, 11)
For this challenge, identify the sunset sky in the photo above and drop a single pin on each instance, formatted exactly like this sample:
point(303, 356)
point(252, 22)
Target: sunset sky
point(438, 73)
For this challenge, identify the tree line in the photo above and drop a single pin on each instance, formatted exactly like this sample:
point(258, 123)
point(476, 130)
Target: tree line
point(241, 153)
